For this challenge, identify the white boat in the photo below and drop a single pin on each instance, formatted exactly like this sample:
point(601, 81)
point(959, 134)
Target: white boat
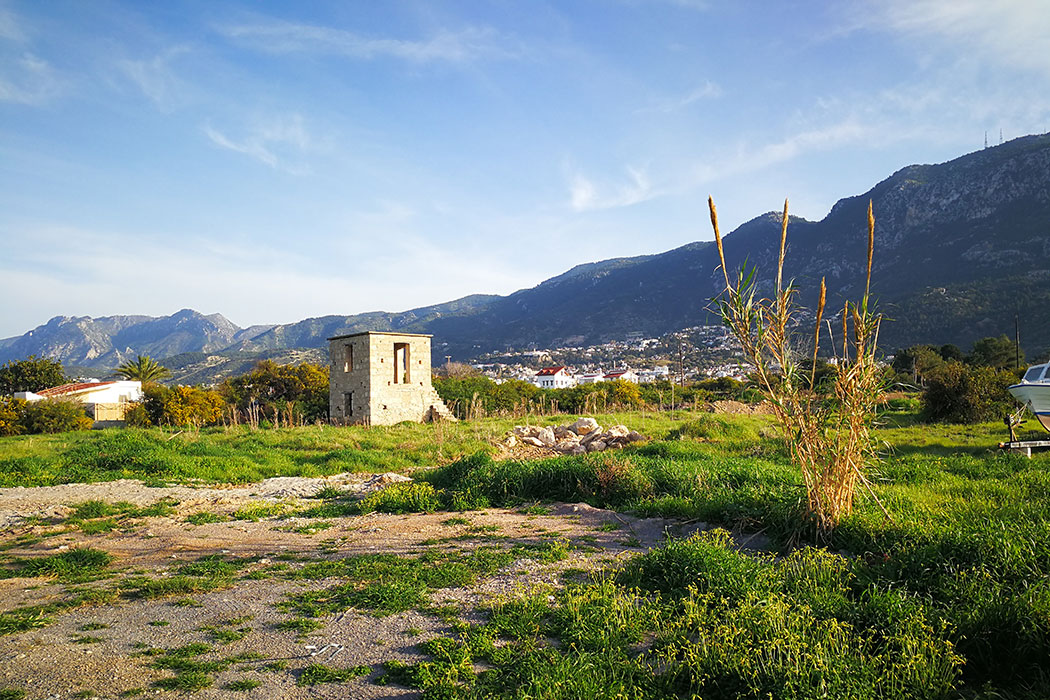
point(1034, 392)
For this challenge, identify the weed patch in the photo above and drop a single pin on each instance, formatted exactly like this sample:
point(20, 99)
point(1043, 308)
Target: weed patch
point(72, 566)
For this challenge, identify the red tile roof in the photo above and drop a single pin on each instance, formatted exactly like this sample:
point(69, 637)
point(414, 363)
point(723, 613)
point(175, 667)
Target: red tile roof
point(71, 388)
point(549, 371)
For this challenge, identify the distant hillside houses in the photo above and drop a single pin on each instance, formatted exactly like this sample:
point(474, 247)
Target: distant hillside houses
point(562, 377)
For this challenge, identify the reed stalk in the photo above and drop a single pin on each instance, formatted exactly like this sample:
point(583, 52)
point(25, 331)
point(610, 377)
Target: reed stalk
point(828, 435)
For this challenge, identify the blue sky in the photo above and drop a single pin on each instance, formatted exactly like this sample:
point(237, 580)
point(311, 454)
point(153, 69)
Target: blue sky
point(273, 161)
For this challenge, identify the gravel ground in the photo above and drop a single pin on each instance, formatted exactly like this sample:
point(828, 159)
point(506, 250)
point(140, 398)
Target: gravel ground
point(94, 651)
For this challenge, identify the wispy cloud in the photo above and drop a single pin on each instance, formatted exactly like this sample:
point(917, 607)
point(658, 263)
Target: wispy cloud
point(448, 46)
point(750, 158)
point(1009, 32)
point(155, 77)
point(9, 28)
point(795, 145)
point(707, 91)
point(279, 143)
point(29, 80)
point(586, 195)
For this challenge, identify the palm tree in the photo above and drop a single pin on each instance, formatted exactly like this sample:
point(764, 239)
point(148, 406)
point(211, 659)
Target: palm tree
point(144, 368)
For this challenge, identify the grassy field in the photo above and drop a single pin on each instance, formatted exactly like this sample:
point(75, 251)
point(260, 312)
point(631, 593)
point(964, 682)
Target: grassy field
point(947, 597)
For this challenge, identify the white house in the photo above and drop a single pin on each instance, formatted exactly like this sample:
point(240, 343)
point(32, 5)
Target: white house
point(591, 378)
point(104, 401)
point(554, 378)
point(622, 374)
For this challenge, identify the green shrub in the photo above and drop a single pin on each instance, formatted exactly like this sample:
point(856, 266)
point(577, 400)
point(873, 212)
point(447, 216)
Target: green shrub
point(12, 412)
point(409, 497)
point(54, 416)
point(957, 393)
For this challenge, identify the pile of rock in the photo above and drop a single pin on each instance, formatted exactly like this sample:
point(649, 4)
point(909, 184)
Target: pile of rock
point(585, 435)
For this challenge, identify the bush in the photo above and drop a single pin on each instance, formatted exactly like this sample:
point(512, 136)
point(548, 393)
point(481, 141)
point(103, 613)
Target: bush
point(298, 392)
point(958, 393)
point(181, 405)
point(54, 416)
point(11, 413)
point(409, 497)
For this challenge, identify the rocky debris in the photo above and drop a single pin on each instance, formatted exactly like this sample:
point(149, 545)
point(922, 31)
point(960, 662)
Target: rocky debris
point(381, 481)
point(585, 435)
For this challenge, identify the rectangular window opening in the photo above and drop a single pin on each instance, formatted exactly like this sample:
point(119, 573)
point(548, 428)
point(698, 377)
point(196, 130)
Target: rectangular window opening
point(348, 403)
point(401, 360)
point(348, 357)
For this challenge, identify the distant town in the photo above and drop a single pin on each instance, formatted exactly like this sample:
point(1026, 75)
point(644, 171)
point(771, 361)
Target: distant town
point(688, 355)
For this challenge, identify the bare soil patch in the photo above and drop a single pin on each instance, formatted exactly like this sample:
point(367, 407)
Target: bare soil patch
point(103, 650)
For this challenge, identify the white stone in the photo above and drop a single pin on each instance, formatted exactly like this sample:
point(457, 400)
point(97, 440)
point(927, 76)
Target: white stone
point(584, 426)
point(546, 436)
point(618, 431)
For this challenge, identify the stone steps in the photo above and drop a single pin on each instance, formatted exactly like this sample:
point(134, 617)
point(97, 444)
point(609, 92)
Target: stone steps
point(438, 410)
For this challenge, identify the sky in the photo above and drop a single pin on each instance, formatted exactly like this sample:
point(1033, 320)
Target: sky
point(274, 161)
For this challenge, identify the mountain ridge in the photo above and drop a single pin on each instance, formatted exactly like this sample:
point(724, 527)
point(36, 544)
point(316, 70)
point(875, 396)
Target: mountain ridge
point(949, 239)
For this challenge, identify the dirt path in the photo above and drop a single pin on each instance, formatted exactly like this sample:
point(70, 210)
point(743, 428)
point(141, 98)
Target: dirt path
point(109, 650)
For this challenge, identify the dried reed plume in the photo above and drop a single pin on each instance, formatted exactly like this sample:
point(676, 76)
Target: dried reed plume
point(828, 436)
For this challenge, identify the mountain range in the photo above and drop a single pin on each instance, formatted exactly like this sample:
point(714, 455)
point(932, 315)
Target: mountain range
point(960, 249)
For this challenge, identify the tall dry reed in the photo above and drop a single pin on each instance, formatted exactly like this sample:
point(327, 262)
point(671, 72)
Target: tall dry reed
point(828, 434)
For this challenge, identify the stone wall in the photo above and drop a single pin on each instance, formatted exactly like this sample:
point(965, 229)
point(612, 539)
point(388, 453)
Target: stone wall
point(383, 379)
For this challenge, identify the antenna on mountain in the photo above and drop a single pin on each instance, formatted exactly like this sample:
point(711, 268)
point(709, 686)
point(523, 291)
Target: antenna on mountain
point(1000, 136)
point(986, 138)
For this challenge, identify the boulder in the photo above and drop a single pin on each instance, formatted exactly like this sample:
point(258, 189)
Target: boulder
point(511, 440)
point(546, 436)
point(619, 431)
point(595, 446)
point(584, 426)
point(590, 437)
point(635, 436)
point(535, 442)
point(561, 431)
point(567, 444)
point(578, 449)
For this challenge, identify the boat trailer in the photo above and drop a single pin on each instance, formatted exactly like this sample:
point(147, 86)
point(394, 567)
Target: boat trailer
point(1024, 447)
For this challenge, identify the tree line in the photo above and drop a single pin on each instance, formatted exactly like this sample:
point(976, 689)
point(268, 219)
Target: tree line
point(269, 395)
point(953, 386)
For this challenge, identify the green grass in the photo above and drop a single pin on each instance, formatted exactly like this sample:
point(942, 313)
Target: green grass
point(949, 598)
point(385, 584)
point(205, 517)
point(408, 497)
point(257, 510)
point(192, 671)
point(208, 573)
point(235, 456)
point(243, 685)
point(705, 620)
point(75, 565)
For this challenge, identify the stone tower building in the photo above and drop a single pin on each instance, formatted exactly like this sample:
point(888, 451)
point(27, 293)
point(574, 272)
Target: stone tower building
point(378, 378)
